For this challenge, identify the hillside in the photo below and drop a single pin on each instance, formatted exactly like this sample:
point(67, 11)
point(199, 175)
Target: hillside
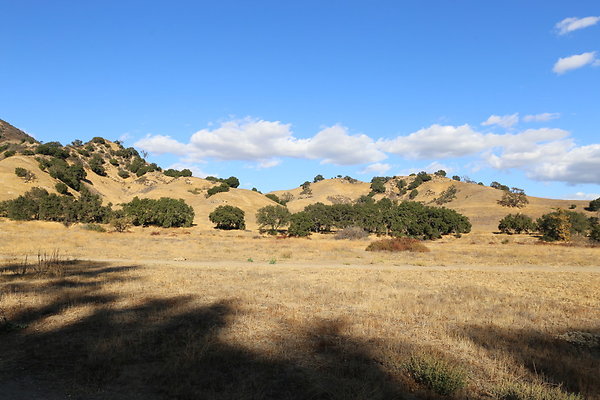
point(119, 174)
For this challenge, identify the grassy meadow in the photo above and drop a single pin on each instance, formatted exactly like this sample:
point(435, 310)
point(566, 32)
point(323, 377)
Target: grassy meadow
point(198, 314)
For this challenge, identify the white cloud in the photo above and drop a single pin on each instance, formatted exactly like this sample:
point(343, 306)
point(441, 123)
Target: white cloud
point(505, 121)
point(574, 62)
point(377, 168)
point(543, 117)
point(264, 142)
point(582, 196)
point(572, 24)
point(436, 141)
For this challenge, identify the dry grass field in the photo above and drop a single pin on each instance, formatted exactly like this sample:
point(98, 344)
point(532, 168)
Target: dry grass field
point(199, 314)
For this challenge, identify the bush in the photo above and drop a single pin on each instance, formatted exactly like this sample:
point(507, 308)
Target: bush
point(378, 184)
point(300, 225)
point(351, 233)
point(54, 149)
point(120, 223)
point(71, 175)
point(27, 175)
point(61, 188)
point(318, 178)
point(414, 193)
point(447, 195)
point(228, 217)
point(398, 244)
point(436, 374)
point(595, 233)
point(514, 197)
point(114, 161)
point(27, 152)
point(9, 153)
point(123, 174)
point(516, 223)
point(165, 212)
point(499, 186)
point(531, 391)
point(274, 217)
point(223, 187)
point(594, 205)
point(95, 164)
point(562, 224)
point(94, 228)
point(456, 178)
point(441, 173)
point(176, 174)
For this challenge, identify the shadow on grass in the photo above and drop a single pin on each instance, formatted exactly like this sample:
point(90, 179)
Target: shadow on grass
point(574, 366)
point(174, 348)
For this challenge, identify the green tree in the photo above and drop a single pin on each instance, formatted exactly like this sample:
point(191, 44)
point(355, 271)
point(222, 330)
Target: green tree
point(165, 212)
point(555, 226)
point(318, 178)
point(514, 197)
point(228, 217)
point(274, 217)
point(594, 205)
point(516, 223)
point(300, 225)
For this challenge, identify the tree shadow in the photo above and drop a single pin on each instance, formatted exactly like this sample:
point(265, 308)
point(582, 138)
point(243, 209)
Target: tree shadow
point(556, 359)
point(175, 348)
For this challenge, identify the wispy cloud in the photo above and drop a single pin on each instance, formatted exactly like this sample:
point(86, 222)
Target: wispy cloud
point(573, 23)
point(505, 121)
point(582, 196)
point(574, 62)
point(543, 117)
point(377, 168)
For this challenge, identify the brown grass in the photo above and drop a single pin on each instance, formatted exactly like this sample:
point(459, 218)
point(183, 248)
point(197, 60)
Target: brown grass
point(398, 244)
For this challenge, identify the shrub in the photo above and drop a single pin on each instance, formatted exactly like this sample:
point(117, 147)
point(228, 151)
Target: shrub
point(595, 233)
point(398, 244)
point(274, 217)
point(414, 193)
point(594, 205)
point(120, 223)
point(114, 161)
point(447, 195)
point(223, 187)
point(300, 225)
point(514, 197)
point(27, 175)
point(516, 223)
point(71, 175)
point(436, 374)
point(123, 174)
point(499, 186)
point(9, 153)
point(94, 227)
point(318, 178)
point(228, 217)
point(165, 212)
point(351, 233)
point(378, 184)
point(61, 188)
point(441, 172)
point(456, 178)
point(176, 173)
point(531, 391)
point(27, 152)
point(306, 190)
point(555, 226)
point(54, 149)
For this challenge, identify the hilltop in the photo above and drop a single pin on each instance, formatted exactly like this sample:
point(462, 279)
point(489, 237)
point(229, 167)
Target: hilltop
point(119, 174)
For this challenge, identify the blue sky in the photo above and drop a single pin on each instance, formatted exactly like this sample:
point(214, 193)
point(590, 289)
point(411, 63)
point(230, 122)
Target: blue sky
point(275, 92)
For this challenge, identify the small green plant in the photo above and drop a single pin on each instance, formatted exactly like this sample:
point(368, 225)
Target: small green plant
point(531, 391)
point(272, 261)
point(27, 175)
point(250, 260)
point(436, 374)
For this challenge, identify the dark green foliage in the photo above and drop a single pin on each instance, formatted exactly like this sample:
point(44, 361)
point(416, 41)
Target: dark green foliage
point(419, 179)
point(514, 197)
point(441, 172)
point(26, 174)
point(61, 188)
point(72, 175)
point(98, 140)
point(38, 204)
point(595, 232)
point(447, 195)
point(165, 212)
point(127, 153)
point(414, 193)
point(456, 178)
point(401, 184)
point(305, 185)
point(123, 174)
point(436, 374)
point(228, 217)
point(594, 205)
point(274, 217)
point(27, 152)
point(306, 190)
point(96, 166)
point(232, 181)
point(555, 226)
point(114, 161)
point(136, 164)
point(9, 153)
point(499, 186)
point(384, 217)
point(54, 149)
point(4, 147)
point(377, 187)
point(276, 199)
point(350, 179)
point(318, 178)
point(223, 187)
point(77, 143)
point(516, 223)
point(176, 173)
point(83, 152)
point(300, 225)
